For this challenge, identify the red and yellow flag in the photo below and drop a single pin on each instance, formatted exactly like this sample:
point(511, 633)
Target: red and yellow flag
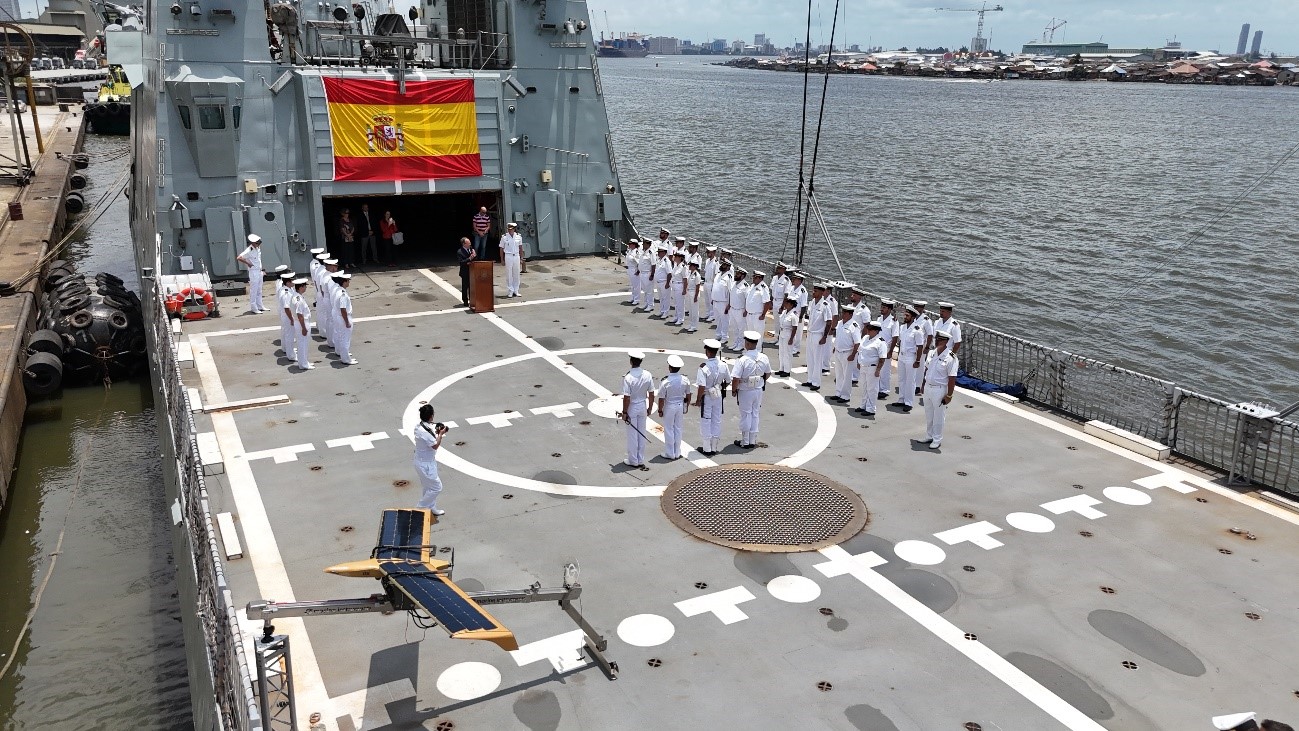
point(431, 131)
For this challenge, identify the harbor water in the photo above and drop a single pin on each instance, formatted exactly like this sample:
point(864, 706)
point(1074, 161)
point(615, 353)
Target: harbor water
point(104, 647)
point(1117, 221)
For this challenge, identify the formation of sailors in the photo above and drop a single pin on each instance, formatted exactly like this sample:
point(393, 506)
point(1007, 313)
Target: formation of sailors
point(671, 278)
point(332, 303)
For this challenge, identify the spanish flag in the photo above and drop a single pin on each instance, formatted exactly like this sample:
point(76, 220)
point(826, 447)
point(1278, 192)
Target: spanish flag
point(431, 131)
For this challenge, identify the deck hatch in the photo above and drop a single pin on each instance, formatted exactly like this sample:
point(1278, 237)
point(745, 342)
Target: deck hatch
point(764, 508)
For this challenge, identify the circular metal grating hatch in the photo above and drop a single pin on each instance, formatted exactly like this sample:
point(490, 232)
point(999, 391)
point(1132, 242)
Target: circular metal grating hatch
point(764, 508)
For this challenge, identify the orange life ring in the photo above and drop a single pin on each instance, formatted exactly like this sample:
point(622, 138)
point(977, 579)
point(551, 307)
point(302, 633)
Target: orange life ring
point(190, 294)
point(173, 304)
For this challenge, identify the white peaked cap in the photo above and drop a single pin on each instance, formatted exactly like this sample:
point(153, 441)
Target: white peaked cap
point(637, 354)
point(713, 344)
point(752, 335)
point(1232, 720)
point(674, 361)
point(254, 239)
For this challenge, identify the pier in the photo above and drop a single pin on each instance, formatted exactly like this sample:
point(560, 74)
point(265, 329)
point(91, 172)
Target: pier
point(33, 219)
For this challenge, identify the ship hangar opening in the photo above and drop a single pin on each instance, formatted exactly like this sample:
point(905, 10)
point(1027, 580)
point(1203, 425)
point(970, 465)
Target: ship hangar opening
point(432, 223)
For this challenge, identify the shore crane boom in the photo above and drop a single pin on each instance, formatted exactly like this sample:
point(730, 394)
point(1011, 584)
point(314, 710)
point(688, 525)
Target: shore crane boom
point(1048, 34)
point(979, 44)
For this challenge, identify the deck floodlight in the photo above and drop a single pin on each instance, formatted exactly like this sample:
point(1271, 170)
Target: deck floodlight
point(514, 84)
point(340, 14)
point(175, 8)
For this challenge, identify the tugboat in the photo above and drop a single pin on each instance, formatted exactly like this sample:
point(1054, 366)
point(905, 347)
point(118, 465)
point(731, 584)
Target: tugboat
point(110, 112)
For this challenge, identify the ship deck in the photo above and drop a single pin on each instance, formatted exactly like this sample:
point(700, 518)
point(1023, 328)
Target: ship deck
point(1126, 603)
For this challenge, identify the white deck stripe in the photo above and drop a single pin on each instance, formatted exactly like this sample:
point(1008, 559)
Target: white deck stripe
point(860, 568)
point(262, 550)
point(1180, 474)
point(581, 378)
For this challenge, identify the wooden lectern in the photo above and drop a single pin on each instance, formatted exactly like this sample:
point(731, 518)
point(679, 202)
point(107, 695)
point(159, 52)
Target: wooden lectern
point(481, 296)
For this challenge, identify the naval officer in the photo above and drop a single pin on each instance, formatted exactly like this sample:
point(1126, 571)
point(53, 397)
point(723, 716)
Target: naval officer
point(870, 361)
point(710, 276)
point(632, 260)
point(428, 439)
point(940, 384)
point(674, 402)
point(749, 379)
point(948, 325)
point(847, 338)
point(512, 257)
point(757, 304)
point(693, 284)
point(251, 257)
point(889, 334)
point(646, 276)
point(284, 294)
point(301, 322)
point(660, 271)
point(637, 393)
point(911, 344)
point(678, 287)
point(326, 309)
point(780, 285)
point(719, 298)
point(819, 321)
point(787, 326)
point(711, 382)
point(735, 310)
point(343, 319)
point(798, 292)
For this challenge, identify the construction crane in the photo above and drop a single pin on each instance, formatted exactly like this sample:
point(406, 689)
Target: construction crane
point(1048, 33)
point(979, 44)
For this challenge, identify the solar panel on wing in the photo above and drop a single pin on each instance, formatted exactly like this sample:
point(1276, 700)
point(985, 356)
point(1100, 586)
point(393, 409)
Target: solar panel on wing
point(432, 592)
point(401, 535)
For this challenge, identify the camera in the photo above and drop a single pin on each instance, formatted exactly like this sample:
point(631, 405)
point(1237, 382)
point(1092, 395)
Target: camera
point(440, 426)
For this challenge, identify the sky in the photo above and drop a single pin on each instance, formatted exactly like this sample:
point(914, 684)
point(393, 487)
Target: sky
point(1198, 24)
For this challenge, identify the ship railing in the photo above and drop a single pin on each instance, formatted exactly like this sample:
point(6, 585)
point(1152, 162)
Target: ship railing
point(1203, 429)
point(232, 683)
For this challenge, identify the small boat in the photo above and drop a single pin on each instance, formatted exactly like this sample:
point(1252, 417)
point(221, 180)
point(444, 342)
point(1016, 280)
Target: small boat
point(110, 112)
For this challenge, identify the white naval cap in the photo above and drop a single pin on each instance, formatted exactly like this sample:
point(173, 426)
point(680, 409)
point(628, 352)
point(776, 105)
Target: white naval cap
point(281, 268)
point(674, 361)
point(943, 334)
point(846, 307)
point(1235, 721)
point(946, 306)
point(920, 303)
point(692, 243)
point(820, 285)
point(886, 302)
point(300, 281)
point(681, 239)
point(753, 335)
point(342, 275)
point(874, 325)
point(664, 231)
point(780, 265)
point(710, 248)
point(317, 251)
point(323, 255)
point(663, 247)
point(331, 262)
point(633, 240)
point(759, 273)
point(511, 224)
point(739, 271)
point(636, 354)
point(713, 344)
point(254, 239)
point(290, 276)
point(912, 310)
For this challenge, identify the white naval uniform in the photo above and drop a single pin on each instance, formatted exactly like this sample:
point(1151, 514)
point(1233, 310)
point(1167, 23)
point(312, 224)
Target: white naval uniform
point(343, 338)
point(869, 355)
point(739, 297)
point(426, 465)
point(831, 314)
point(912, 342)
point(696, 298)
point(758, 298)
point(710, 275)
point(953, 330)
point(673, 390)
point(713, 375)
point(888, 331)
point(646, 281)
point(847, 336)
point(718, 296)
point(512, 247)
point(861, 314)
point(799, 295)
point(331, 312)
point(298, 305)
point(662, 267)
point(817, 316)
point(253, 254)
point(938, 369)
point(787, 326)
point(632, 260)
point(637, 385)
point(750, 369)
point(779, 288)
point(284, 298)
point(679, 272)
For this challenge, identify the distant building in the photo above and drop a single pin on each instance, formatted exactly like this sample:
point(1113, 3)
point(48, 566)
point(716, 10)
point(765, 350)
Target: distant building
point(9, 11)
point(1036, 48)
point(663, 46)
point(737, 46)
point(1257, 45)
point(719, 45)
point(1244, 38)
point(760, 40)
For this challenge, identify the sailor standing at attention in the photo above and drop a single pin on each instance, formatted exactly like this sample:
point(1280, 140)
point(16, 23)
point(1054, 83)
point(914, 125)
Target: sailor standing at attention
point(757, 305)
point(720, 299)
point(284, 295)
point(646, 276)
point(632, 259)
point(735, 310)
point(797, 292)
point(637, 393)
point(847, 338)
point(949, 326)
point(428, 439)
point(512, 257)
point(749, 379)
point(787, 326)
point(940, 384)
point(710, 275)
point(889, 334)
point(318, 258)
point(251, 257)
point(343, 323)
point(870, 359)
point(694, 282)
point(692, 254)
point(678, 287)
point(831, 316)
point(779, 288)
point(710, 393)
point(661, 269)
point(325, 316)
point(911, 342)
point(819, 321)
point(301, 322)
point(674, 401)
point(861, 314)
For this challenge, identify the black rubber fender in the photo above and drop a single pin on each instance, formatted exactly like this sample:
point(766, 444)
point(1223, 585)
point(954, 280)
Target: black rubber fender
point(43, 374)
point(45, 341)
point(118, 321)
point(81, 319)
point(77, 181)
point(74, 304)
point(112, 279)
point(74, 203)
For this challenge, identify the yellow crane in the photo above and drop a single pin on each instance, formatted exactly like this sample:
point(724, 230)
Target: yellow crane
point(979, 44)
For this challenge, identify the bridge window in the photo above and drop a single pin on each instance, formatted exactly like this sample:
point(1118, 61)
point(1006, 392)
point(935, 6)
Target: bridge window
point(211, 116)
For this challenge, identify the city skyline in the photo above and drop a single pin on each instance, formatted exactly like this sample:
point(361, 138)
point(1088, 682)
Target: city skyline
point(1199, 24)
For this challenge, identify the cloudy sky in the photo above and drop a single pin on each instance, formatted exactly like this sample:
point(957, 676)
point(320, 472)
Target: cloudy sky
point(1200, 24)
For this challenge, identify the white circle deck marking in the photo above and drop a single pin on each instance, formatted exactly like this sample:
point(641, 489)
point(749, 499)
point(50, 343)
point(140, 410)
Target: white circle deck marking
point(646, 630)
point(920, 552)
point(606, 406)
point(1031, 522)
point(1126, 495)
point(794, 589)
point(826, 426)
point(466, 681)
